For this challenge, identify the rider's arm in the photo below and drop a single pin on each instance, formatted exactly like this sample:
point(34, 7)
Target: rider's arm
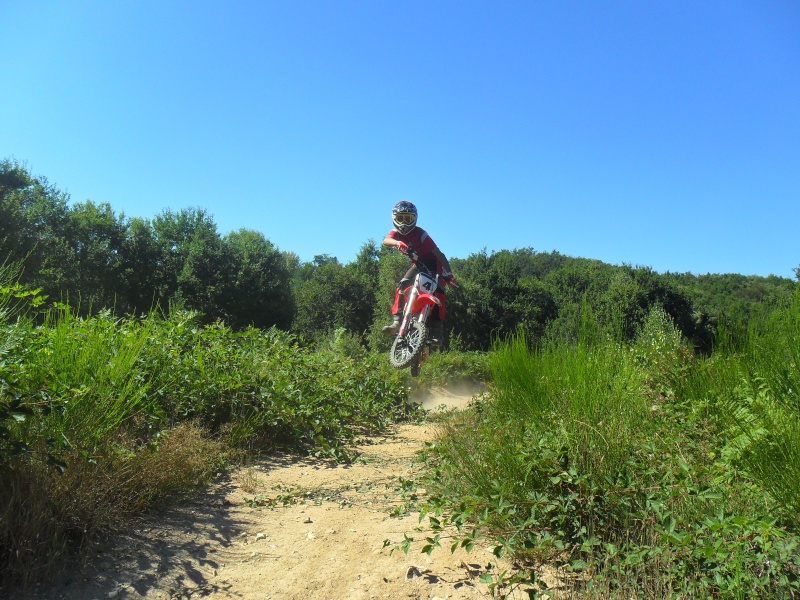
point(390, 241)
point(441, 258)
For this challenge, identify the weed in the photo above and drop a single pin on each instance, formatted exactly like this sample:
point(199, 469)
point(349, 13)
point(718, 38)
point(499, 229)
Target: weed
point(653, 472)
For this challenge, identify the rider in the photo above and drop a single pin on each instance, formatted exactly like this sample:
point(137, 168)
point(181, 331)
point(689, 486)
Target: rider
point(407, 236)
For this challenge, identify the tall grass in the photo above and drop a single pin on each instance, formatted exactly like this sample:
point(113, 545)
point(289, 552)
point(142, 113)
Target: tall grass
point(102, 417)
point(88, 369)
point(588, 397)
point(759, 392)
point(659, 471)
point(563, 421)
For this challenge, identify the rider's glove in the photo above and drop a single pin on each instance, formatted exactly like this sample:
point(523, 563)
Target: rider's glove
point(449, 278)
point(403, 247)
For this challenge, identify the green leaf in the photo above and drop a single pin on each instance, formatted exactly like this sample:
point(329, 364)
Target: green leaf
point(668, 523)
point(578, 565)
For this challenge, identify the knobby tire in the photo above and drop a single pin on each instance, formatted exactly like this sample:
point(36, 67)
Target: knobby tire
point(408, 347)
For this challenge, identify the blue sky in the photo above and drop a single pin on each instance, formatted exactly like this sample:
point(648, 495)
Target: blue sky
point(663, 134)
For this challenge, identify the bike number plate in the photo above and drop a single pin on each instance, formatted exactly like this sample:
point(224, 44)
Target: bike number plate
point(426, 284)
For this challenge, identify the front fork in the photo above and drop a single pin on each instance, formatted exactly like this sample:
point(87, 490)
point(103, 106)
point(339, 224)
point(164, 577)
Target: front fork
point(409, 310)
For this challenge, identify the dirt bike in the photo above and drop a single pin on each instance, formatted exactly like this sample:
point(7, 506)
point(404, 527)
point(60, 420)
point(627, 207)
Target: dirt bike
point(412, 344)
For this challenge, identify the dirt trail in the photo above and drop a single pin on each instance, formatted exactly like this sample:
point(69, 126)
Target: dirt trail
point(239, 539)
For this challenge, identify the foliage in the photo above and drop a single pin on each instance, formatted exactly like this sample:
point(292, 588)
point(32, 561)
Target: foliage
point(641, 427)
point(189, 270)
point(255, 283)
point(495, 299)
point(15, 302)
point(334, 296)
point(33, 220)
point(455, 369)
point(85, 372)
point(391, 267)
point(90, 251)
point(101, 399)
point(728, 295)
point(761, 403)
point(86, 255)
point(655, 472)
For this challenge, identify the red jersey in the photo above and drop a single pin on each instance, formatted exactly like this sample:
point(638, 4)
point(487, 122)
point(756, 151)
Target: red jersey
point(419, 240)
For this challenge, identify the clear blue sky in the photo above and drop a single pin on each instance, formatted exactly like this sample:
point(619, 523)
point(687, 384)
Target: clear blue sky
point(663, 134)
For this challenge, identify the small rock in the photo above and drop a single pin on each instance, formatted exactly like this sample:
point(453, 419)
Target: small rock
point(413, 572)
point(112, 594)
point(261, 536)
point(308, 520)
point(310, 535)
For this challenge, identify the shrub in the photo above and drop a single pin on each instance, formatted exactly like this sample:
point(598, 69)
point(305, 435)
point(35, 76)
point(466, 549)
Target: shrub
point(103, 417)
point(627, 463)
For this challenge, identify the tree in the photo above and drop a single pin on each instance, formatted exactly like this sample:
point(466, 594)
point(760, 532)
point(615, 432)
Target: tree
point(496, 299)
point(190, 265)
point(257, 288)
point(33, 217)
point(141, 264)
point(367, 262)
point(366, 268)
point(17, 236)
point(89, 265)
point(333, 297)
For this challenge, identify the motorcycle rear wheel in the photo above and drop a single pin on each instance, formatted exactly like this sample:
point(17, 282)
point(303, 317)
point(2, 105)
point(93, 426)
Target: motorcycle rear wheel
point(406, 348)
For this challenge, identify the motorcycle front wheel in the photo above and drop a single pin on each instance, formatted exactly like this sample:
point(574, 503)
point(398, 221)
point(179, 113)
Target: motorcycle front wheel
point(407, 347)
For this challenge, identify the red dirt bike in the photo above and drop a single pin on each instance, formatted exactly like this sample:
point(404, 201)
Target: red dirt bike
point(412, 344)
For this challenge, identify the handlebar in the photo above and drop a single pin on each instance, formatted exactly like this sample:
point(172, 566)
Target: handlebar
point(424, 268)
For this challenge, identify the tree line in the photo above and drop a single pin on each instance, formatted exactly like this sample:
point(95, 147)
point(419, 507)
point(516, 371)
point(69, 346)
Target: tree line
point(85, 254)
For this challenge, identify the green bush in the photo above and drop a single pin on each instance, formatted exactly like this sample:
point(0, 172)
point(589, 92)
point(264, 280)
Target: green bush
point(657, 473)
point(101, 417)
point(453, 368)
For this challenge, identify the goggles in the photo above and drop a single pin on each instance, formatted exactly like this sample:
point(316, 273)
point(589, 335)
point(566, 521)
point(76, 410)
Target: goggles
point(405, 218)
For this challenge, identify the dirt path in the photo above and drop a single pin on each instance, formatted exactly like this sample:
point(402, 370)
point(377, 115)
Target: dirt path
point(289, 528)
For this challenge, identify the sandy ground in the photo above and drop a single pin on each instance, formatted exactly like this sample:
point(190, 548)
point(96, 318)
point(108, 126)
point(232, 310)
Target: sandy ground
point(288, 528)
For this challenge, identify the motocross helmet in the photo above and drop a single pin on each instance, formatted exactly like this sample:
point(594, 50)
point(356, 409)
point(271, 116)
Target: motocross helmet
point(404, 216)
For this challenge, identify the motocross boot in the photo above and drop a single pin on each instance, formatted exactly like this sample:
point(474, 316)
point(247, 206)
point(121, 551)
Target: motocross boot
point(437, 333)
point(394, 327)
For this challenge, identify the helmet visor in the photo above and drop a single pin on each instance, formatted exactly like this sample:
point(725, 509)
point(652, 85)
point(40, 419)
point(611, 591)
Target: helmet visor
point(405, 218)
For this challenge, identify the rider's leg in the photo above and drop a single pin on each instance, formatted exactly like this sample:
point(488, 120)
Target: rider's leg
point(437, 321)
point(437, 332)
point(397, 313)
point(399, 302)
